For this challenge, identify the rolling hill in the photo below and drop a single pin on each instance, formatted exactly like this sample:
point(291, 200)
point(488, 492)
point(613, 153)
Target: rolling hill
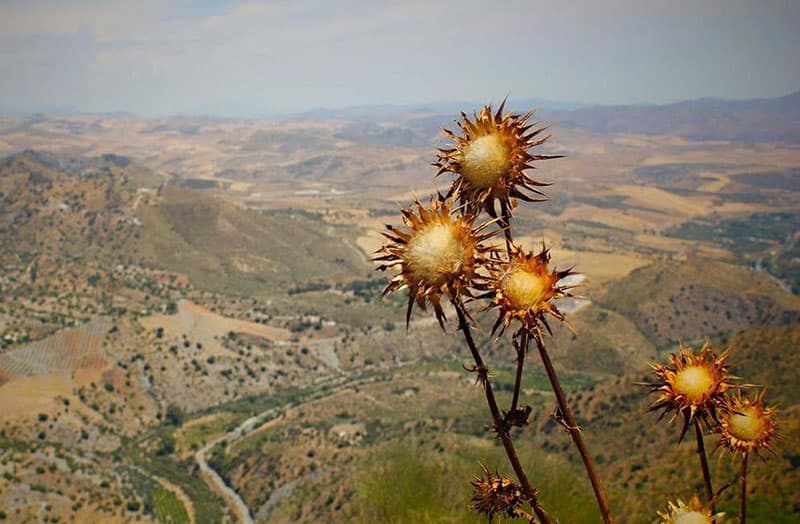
point(213, 300)
point(66, 215)
point(759, 120)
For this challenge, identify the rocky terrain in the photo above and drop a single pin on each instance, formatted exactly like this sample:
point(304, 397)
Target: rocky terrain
point(190, 327)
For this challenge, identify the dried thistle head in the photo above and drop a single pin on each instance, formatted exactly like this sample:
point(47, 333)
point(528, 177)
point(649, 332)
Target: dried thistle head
point(692, 384)
point(694, 512)
point(523, 289)
point(496, 495)
point(440, 254)
point(746, 424)
point(491, 157)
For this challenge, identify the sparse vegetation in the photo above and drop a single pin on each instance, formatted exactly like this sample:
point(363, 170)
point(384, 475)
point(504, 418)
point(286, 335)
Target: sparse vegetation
point(172, 309)
point(168, 508)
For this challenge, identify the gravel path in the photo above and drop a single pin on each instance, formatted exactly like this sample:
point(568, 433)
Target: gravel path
point(217, 483)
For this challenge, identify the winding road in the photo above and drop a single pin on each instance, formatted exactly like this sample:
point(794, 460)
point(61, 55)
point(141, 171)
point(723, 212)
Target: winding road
point(217, 483)
point(235, 503)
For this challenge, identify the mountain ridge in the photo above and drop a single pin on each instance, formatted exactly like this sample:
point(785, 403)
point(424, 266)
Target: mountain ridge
point(752, 120)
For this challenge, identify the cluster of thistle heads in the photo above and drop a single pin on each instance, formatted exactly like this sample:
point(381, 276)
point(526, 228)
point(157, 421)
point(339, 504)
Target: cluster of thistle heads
point(449, 252)
point(696, 387)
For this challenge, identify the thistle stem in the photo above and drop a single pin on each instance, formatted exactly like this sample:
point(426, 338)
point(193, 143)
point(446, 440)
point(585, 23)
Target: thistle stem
point(520, 348)
point(518, 379)
point(743, 511)
point(497, 418)
point(577, 435)
point(701, 451)
point(506, 224)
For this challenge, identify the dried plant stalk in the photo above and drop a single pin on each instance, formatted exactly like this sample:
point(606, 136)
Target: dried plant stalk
point(701, 452)
point(500, 424)
point(444, 255)
point(743, 509)
point(567, 419)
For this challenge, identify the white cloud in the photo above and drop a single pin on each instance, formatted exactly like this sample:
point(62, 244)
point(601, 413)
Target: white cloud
point(177, 55)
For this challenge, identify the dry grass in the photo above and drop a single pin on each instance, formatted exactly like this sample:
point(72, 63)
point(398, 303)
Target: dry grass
point(660, 200)
point(208, 327)
point(598, 267)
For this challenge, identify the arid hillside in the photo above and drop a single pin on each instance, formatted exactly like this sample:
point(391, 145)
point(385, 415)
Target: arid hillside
point(191, 329)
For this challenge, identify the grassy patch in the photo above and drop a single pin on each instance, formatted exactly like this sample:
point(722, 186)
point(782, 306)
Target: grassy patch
point(208, 506)
point(168, 508)
point(423, 486)
point(195, 434)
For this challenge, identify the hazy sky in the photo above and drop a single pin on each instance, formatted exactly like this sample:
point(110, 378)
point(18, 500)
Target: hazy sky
point(254, 58)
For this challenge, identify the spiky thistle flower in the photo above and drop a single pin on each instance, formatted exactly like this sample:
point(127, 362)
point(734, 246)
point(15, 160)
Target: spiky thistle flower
point(523, 288)
point(747, 424)
point(693, 384)
point(440, 254)
point(495, 494)
point(694, 512)
point(491, 157)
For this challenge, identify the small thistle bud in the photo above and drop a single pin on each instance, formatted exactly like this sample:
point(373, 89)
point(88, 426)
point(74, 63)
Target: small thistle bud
point(692, 384)
point(694, 512)
point(496, 495)
point(747, 425)
point(523, 289)
point(491, 157)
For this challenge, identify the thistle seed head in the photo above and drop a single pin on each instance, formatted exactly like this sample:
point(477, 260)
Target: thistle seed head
point(523, 288)
point(691, 384)
point(694, 512)
point(748, 425)
point(439, 254)
point(490, 157)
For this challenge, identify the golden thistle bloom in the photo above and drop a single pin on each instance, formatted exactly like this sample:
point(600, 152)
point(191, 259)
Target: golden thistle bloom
point(496, 495)
point(747, 425)
point(523, 289)
point(439, 255)
point(692, 513)
point(691, 384)
point(491, 157)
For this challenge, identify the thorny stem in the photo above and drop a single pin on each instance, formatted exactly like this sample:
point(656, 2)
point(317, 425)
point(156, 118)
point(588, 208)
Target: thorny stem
point(577, 435)
point(743, 511)
point(701, 451)
point(497, 418)
point(506, 225)
point(523, 515)
point(518, 380)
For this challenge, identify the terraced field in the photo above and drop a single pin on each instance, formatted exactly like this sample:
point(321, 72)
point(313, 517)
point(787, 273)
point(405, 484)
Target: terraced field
point(69, 349)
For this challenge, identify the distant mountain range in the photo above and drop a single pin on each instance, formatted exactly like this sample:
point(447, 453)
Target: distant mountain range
point(774, 120)
point(749, 121)
point(753, 120)
point(756, 120)
point(453, 107)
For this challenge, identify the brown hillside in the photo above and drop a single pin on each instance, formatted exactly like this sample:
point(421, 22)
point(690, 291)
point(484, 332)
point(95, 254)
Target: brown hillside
point(676, 300)
point(223, 247)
